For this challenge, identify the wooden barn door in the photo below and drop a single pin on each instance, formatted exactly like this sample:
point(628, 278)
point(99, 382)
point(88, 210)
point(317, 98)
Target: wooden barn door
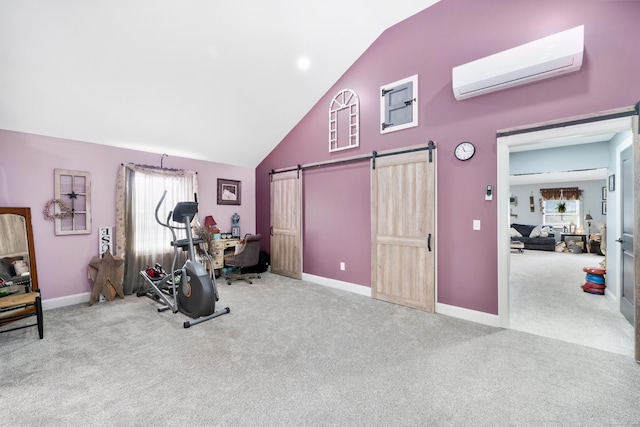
point(403, 229)
point(286, 220)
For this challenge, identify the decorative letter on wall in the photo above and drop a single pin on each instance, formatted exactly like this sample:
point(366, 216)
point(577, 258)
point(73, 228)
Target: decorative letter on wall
point(344, 118)
point(73, 188)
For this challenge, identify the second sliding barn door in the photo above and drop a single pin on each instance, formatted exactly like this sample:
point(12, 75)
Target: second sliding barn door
point(403, 229)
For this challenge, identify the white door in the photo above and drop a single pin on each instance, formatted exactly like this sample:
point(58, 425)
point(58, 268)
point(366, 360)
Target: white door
point(625, 186)
point(403, 230)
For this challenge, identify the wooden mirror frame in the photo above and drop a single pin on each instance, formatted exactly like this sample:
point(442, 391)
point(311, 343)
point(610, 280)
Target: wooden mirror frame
point(26, 214)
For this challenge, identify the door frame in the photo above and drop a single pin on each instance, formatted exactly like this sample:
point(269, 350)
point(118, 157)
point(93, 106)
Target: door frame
point(536, 135)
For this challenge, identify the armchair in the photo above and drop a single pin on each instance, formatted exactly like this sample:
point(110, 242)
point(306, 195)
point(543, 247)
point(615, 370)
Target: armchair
point(247, 255)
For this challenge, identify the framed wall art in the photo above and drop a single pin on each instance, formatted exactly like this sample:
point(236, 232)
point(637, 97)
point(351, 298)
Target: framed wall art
point(72, 210)
point(228, 192)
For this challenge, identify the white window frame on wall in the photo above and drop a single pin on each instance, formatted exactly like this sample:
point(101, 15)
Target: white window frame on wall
point(559, 220)
point(384, 104)
point(345, 99)
point(78, 221)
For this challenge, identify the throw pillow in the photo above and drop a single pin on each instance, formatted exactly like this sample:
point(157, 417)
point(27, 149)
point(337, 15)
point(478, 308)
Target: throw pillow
point(21, 267)
point(514, 232)
point(544, 232)
point(535, 232)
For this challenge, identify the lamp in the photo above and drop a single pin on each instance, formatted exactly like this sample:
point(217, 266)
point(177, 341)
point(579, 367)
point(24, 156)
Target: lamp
point(209, 222)
point(588, 218)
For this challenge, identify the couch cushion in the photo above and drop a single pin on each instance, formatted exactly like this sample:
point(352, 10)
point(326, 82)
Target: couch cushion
point(523, 229)
point(514, 232)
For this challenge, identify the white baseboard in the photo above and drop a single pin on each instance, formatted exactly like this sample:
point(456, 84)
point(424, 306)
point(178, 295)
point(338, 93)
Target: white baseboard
point(470, 315)
point(50, 304)
point(337, 284)
point(447, 310)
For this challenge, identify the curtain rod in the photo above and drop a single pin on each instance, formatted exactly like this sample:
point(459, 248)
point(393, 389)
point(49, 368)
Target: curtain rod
point(430, 146)
point(160, 168)
point(156, 167)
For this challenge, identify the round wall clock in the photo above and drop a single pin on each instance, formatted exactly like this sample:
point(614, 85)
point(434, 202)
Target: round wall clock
point(465, 150)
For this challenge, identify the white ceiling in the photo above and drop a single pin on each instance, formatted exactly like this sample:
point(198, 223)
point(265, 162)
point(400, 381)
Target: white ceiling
point(204, 79)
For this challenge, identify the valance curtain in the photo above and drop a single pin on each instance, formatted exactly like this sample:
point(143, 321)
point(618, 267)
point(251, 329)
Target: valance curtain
point(568, 193)
point(140, 240)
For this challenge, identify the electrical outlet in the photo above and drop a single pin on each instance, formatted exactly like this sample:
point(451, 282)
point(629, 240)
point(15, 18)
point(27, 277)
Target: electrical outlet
point(342, 266)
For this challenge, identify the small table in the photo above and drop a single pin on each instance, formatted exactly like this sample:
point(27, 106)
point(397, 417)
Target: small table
point(569, 238)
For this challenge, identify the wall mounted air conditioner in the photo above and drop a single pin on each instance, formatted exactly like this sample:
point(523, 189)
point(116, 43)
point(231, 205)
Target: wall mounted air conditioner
point(547, 57)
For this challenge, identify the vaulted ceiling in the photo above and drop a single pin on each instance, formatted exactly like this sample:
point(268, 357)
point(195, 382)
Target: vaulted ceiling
point(204, 79)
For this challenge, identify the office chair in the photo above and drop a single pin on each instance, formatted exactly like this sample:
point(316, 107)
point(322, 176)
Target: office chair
point(247, 255)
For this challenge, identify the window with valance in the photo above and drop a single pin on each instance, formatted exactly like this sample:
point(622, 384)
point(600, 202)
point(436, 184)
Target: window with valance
point(570, 214)
point(567, 193)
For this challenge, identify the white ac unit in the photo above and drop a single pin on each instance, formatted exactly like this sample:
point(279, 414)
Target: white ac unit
point(551, 56)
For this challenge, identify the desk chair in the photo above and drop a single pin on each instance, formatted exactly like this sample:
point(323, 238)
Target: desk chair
point(247, 255)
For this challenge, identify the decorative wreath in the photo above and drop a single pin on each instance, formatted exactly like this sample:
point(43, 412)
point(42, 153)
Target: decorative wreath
point(64, 210)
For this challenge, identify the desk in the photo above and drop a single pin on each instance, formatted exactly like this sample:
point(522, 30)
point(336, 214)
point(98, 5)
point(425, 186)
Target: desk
point(221, 245)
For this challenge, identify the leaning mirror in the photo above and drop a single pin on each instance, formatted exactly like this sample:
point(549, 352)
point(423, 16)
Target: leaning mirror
point(18, 273)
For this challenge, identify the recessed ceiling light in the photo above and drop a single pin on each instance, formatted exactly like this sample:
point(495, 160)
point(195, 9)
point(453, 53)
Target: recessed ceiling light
point(304, 63)
point(213, 52)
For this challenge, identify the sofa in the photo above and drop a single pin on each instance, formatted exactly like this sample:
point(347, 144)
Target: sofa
point(536, 237)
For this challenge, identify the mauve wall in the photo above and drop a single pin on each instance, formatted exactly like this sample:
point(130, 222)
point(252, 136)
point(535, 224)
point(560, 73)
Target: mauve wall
point(450, 33)
point(26, 179)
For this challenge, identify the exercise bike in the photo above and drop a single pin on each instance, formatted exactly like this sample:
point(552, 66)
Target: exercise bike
point(190, 289)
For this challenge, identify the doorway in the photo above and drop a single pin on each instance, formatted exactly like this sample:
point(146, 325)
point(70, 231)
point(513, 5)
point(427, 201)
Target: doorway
point(551, 134)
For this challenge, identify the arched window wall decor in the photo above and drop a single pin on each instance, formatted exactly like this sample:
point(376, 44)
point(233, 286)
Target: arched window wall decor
point(344, 119)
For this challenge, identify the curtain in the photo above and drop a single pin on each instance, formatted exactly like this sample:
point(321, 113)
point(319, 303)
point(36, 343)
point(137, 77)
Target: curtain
point(140, 240)
point(569, 193)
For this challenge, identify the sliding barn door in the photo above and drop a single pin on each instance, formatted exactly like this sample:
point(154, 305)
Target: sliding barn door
point(403, 230)
point(286, 220)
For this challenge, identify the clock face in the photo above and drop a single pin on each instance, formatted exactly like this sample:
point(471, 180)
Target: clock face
point(465, 151)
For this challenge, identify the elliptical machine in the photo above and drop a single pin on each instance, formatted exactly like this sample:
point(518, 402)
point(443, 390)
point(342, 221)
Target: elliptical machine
point(190, 289)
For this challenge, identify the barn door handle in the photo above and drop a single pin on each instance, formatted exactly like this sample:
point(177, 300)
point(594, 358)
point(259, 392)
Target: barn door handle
point(429, 242)
point(271, 231)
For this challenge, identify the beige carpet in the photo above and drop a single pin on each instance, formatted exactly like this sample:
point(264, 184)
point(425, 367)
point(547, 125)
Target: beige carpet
point(545, 299)
point(292, 353)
